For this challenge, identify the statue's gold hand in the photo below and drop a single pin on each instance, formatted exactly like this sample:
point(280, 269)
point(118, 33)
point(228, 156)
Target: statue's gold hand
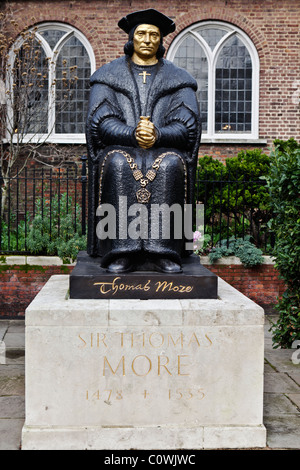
point(145, 133)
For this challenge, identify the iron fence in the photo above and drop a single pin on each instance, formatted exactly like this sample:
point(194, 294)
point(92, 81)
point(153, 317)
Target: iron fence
point(234, 206)
point(41, 194)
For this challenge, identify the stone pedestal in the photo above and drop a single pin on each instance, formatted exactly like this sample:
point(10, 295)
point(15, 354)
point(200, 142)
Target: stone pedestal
point(88, 280)
point(143, 374)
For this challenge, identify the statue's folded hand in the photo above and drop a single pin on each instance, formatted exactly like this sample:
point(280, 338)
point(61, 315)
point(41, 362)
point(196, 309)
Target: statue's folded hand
point(145, 133)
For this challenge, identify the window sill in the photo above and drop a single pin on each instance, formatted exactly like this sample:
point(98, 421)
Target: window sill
point(228, 140)
point(80, 139)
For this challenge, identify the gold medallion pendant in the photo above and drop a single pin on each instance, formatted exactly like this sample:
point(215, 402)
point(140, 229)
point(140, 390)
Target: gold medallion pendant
point(143, 196)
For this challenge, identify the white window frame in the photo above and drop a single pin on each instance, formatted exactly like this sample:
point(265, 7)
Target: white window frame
point(212, 56)
point(51, 136)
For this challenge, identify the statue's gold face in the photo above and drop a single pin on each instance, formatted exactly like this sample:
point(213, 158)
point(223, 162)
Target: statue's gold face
point(146, 40)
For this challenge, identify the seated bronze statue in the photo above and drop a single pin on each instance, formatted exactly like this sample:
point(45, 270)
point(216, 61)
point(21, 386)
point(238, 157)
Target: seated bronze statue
point(143, 133)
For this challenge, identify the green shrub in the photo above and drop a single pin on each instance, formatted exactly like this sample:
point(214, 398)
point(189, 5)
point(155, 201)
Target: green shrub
point(284, 184)
point(230, 193)
point(13, 238)
point(54, 230)
point(248, 253)
point(249, 164)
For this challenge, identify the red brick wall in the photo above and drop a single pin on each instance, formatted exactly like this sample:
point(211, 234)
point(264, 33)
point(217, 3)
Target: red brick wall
point(222, 151)
point(20, 284)
point(272, 26)
point(261, 284)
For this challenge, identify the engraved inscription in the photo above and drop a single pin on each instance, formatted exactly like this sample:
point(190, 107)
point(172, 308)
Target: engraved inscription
point(117, 285)
point(129, 358)
point(109, 395)
point(143, 340)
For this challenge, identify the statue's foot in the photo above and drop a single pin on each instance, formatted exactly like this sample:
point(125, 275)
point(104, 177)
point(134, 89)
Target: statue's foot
point(165, 265)
point(120, 265)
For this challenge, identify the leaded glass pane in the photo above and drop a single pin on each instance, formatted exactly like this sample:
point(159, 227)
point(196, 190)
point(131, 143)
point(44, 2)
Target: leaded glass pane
point(73, 71)
point(191, 56)
point(52, 36)
point(30, 84)
point(233, 88)
point(212, 35)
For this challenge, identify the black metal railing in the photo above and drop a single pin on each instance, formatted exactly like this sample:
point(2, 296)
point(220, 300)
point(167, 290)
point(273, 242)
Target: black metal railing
point(234, 206)
point(32, 195)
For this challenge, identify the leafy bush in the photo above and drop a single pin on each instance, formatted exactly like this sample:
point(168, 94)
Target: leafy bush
point(242, 248)
point(54, 231)
point(249, 164)
point(236, 200)
point(13, 238)
point(284, 184)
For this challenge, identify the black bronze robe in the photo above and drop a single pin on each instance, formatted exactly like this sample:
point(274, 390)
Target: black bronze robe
point(115, 108)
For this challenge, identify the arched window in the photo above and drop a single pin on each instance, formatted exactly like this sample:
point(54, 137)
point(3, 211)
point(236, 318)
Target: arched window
point(225, 63)
point(49, 82)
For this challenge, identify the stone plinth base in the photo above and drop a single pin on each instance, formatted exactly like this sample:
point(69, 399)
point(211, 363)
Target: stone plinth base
point(143, 438)
point(143, 374)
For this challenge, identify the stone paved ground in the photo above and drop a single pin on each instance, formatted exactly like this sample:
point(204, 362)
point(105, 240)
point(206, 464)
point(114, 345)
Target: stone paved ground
point(12, 384)
point(281, 394)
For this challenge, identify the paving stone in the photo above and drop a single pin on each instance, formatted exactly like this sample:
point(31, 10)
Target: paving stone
point(268, 368)
point(16, 326)
point(279, 383)
point(276, 404)
point(14, 340)
point(295, 376)
point(12, 385)
point(295, 398)
point(283, 432)
point(11, 370)
point(10, 433)
point(3, 329)
point(12, 407)
point(281, 359)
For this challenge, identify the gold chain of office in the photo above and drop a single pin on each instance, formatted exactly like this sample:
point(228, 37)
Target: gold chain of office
point(143, 195)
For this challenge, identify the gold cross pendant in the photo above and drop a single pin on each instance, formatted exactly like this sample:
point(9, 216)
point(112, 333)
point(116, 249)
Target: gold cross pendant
point(145, 74)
